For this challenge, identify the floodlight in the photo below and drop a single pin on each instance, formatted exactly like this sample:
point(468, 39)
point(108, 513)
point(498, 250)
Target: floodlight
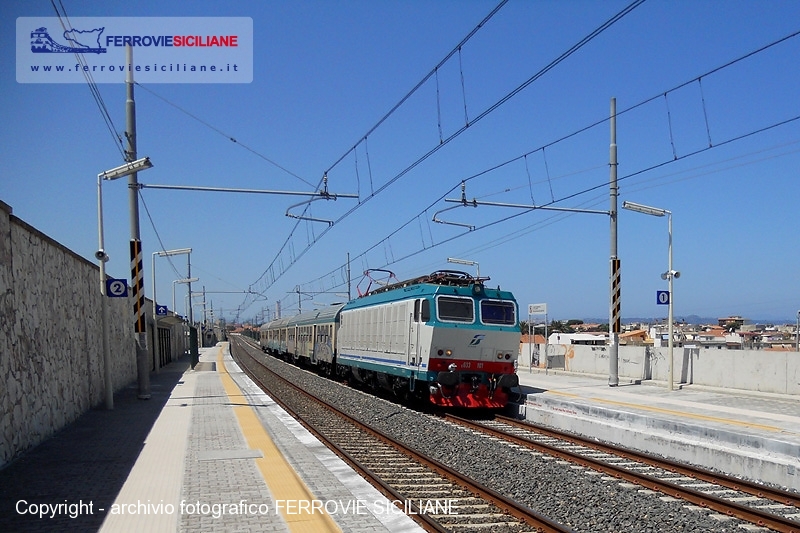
point(178, 251)
point(126, 169)
point(646, 209)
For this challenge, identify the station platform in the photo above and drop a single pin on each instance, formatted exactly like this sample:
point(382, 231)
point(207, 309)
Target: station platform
point(208, 452)
point(749, 434)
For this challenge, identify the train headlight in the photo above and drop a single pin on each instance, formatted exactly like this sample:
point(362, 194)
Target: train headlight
point(499, 355)
point(440, 352)
point(448, 353)
point(508, 356)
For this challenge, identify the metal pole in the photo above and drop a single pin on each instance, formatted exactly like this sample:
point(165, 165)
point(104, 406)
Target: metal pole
point(137, 274)
point(156, 344)
point(189, 277)
point(107, 381)
point(546, 341)
point(614, 309)
point(531, 339)
point(194, 354)
point(797, 331)
point(671, 274)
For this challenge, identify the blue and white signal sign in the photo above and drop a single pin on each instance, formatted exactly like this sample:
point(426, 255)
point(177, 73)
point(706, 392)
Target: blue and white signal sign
point(117, 288)
point(161, 310)
point(662, 297)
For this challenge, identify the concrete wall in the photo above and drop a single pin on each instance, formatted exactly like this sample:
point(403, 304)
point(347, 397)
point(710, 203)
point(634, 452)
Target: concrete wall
point(749, 370)
point(51, 363)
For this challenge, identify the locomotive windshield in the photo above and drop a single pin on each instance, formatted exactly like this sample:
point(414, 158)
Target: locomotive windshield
point(498, 312)
point(454, 309)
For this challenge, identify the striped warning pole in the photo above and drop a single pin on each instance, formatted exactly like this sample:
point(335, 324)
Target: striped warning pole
point(137, 280)
point(616, 321)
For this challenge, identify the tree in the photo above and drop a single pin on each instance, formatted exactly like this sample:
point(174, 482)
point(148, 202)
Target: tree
point(557, 326)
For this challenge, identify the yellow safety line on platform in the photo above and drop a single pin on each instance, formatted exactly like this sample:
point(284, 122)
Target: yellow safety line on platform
point(280, 477)
point(676, 413)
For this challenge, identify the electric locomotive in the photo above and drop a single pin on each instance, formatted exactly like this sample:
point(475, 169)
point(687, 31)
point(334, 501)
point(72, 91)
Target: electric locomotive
point(445, 336)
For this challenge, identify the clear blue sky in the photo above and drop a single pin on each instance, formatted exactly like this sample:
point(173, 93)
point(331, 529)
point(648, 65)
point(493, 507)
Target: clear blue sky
point(324, 73)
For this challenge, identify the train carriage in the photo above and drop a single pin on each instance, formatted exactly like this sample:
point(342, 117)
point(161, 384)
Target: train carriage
point(273, 337)
point(313, 337)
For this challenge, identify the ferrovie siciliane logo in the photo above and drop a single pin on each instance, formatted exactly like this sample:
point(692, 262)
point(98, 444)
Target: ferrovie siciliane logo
point(42, 43)
point(165, 49)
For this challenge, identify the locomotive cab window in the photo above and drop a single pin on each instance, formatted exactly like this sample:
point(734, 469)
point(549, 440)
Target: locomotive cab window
point(452, 309)
point(498, 312)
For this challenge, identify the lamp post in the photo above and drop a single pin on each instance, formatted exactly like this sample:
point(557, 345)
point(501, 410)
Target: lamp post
point(102, 257)
point(797, 331)
point(156, 345)
point(185, 330)
point(668, 275)
point(185, 280)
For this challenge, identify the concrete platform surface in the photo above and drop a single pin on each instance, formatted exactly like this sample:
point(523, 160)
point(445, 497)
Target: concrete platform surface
point(208, 452)
point(755, 435)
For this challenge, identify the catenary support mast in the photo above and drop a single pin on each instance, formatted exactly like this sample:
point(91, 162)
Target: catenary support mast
point(137, 274)
point(614, 323)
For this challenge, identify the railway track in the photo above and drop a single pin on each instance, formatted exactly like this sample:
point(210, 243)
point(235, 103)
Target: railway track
point(763, 506)
point(568, 492)
point(436, 496)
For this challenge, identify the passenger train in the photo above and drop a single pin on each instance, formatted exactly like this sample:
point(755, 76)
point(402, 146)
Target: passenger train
point(446, 338)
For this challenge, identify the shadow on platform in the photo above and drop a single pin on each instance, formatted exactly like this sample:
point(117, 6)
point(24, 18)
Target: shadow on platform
point(81, 469)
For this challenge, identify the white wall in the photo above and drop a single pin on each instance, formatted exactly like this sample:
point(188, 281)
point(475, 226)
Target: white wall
point(751, 370)
point(51, 363)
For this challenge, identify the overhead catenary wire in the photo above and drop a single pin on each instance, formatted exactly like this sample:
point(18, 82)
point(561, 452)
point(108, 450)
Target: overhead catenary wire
point(368, 133)
point(226, 135)
point(604, 184)
point(93, 89)
point(577, 46)
point(675, 158)
point(551, 219)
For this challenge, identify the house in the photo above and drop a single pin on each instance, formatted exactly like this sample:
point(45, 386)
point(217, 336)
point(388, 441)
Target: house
point(536, 339)
point(638, 337)
point(577, 338)
point(736, 321)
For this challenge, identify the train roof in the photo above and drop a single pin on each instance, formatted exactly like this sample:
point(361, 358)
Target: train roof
point(439, 282)
point(276, 323)
point(326, 314)
point(317, 316)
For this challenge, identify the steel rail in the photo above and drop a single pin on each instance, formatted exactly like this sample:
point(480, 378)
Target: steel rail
point(428, 523)
point(515, 509)
point(755, 516)
point(730, 482)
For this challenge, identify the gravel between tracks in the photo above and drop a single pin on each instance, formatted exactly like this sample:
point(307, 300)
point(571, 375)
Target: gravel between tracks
point(568, 494)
